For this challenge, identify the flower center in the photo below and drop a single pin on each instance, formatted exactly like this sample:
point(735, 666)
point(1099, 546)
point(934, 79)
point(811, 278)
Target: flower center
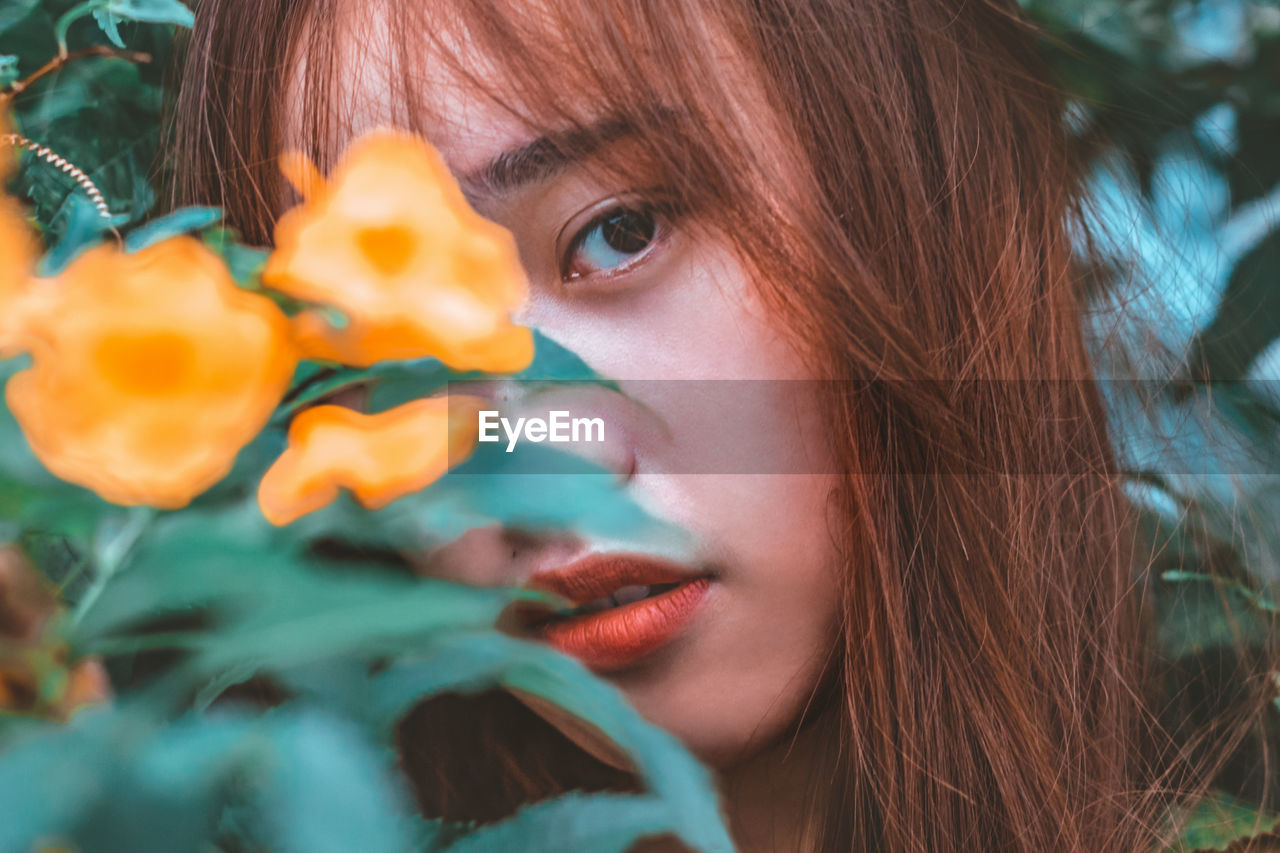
point(387, 249)
point(155, 363)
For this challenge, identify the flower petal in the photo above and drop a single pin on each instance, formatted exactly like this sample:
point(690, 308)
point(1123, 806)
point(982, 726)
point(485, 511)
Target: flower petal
point(150, 371)
point(393, 244)
point(379, 457)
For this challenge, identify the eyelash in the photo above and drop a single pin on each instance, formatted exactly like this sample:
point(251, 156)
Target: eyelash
point(661, 217)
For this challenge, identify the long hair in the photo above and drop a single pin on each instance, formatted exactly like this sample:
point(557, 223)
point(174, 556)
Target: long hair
point(896, 176)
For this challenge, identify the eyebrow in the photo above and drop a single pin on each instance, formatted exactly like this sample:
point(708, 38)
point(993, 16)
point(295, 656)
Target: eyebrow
point(544, 157)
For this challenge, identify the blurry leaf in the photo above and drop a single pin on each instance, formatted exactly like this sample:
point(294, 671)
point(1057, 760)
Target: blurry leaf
point(109, 22)
point(686, 802)
point(331, 793)
point(102, 115)
point(1257, 599)
point(1219, 822)
point(1196, 617)
point(8, 70)
point(1248, 316)
point(108, 782)
point(180, 221)
point(121, 780)
point(83, 230)
point(153, 11)
point(252, 598)
point(553, 361)
point(109, 13)
point(69, 17)
point(394, 383)
point(12, 11)
point(241, 483)
point(599, 823)
point(244, 262)
point(1255, 168)
point(536, 488)
point(26, 31)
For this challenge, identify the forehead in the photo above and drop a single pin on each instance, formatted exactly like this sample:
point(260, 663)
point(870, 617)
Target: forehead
point(441, 87)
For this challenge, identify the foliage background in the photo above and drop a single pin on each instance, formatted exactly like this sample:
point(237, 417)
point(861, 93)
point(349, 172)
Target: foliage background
point(1177, 103)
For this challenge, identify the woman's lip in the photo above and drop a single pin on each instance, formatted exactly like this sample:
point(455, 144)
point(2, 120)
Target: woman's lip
point(598, 575)
point(617, 638)
point(621, 636)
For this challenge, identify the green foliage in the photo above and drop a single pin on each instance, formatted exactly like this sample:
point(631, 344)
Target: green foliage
point(110, 13)
point(99, 113)
point(122, 779)
point(180, 221)
point(393, 383)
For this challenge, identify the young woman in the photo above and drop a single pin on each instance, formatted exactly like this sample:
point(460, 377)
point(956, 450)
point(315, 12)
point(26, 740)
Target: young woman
point(880, 652)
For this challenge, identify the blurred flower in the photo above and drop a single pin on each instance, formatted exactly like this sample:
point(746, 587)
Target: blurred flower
point(17, 259)
point(36, 674)
point(150, 371)
point(391, 242)
point(379, 457)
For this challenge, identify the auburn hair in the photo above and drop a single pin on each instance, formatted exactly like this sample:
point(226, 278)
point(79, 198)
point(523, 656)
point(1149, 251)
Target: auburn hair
point(905, 203)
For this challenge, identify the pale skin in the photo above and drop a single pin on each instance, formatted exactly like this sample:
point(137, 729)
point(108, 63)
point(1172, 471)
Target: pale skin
point(678, 308)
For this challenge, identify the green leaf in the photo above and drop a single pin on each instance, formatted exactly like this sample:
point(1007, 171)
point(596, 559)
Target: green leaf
point(536, 488)
point(1257, 599)
point(1198, 617)
point(554, 361)
point(600, 823)
point(153, 11)
point(72, 15)
point(244, 262)
point(101, 114)
point(109, 23)
point(180, 221)
point(394, 383)
point(13, 11)
point(249, 596)
point(122, 779)
point(8, 70)
point(458, 662)
point(1247, 320)
point(109, 13)
point(332, 792)
point(107, 777)
point(84, 229)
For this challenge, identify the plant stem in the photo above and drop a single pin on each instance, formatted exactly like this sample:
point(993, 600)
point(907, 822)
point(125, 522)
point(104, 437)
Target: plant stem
point(63, 58)
point(68, 18)
point(111, 555)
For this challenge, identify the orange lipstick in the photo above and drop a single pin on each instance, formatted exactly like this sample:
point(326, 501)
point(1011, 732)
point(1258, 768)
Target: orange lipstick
point(628, 606)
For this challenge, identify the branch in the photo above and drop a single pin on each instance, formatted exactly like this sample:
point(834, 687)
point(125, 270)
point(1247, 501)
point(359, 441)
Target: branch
point(63, 58)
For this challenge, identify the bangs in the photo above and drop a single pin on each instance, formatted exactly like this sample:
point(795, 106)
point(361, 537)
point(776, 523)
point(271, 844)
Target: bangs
point(662, 98)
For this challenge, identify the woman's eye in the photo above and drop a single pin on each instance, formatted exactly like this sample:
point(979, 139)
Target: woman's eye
point(611, 242)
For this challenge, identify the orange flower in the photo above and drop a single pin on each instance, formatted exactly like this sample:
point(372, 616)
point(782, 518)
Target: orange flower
point(150, 371)
point(391, 242)
point(378, 457)
point(17, 257)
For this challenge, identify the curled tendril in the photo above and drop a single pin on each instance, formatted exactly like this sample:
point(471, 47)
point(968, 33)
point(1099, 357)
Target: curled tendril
point(58, 161)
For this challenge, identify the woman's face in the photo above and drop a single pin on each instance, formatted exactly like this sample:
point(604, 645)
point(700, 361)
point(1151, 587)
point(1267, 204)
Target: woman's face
point(731, 656)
